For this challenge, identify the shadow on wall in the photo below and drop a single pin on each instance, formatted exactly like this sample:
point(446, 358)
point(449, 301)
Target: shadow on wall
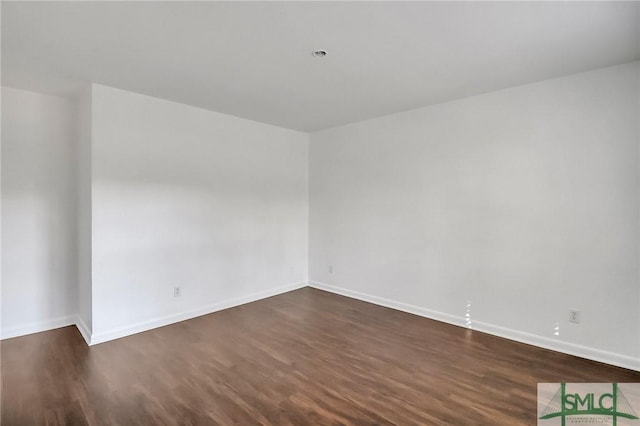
point(38, 264)
point(215, 245)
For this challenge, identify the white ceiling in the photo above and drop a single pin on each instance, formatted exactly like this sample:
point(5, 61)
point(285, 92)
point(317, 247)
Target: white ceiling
point(253, 59)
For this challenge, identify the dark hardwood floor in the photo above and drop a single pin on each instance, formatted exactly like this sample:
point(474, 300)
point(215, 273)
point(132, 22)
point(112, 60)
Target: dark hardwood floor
point(304, 357)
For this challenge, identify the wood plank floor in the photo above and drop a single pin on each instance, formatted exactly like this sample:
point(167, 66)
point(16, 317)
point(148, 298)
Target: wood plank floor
point(304, 357)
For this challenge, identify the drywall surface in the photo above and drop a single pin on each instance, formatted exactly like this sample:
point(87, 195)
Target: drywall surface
point(38, 214)
point(83, 224)
point(184, 197)
point(511, 207)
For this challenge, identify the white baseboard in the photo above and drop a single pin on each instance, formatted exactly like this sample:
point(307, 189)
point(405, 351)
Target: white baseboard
point(37, 327)
point(612, 358)
point(594, 354)
point(106, 336)
point(83, 329)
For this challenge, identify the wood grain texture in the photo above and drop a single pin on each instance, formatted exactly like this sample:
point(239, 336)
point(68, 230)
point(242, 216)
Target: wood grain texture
point(304, 357)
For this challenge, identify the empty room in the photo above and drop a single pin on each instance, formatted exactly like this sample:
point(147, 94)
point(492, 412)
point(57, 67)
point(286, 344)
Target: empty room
point(320, 213)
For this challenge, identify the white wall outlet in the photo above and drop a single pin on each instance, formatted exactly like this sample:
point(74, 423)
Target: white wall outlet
point(574, 316)
point(331, 269)
point(177, 292)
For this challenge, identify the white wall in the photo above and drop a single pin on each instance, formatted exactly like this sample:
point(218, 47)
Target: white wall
point(186, 197)
point(38, 215)
point(523, 203)
point(83, 206)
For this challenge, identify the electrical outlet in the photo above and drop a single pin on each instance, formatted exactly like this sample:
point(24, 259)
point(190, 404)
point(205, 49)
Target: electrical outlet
point(176, 292)
point(331, 269)
point(574, 316)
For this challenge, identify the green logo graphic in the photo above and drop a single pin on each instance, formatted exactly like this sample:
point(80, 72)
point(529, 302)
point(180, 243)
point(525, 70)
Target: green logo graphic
point(612, 404)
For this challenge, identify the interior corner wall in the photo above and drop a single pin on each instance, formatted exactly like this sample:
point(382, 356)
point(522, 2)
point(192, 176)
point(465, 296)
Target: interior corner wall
point(185, 197)
point(511, 207)
point(38, 216)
